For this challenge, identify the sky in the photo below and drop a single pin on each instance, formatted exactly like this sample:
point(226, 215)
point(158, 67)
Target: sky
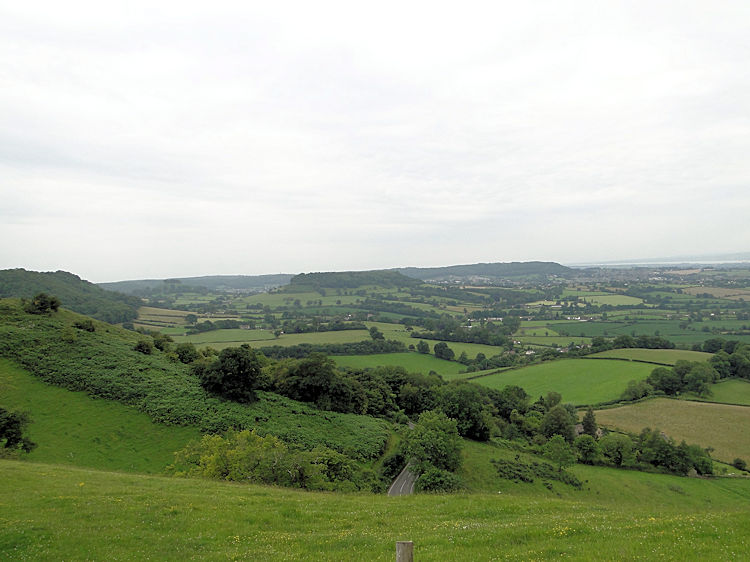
point(169, 139)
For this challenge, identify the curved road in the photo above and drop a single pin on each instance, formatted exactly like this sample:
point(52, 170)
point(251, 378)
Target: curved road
point(403, 485)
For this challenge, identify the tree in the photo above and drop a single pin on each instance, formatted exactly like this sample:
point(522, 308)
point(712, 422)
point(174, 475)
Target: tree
point(559, 452)
point(589, 423)
point(376, 334)
point(144, 346)
point(191, 318)
point(235, 374)
point(434, 441)
point(587, 448)
point(558, 422)
point(12, 425)
point(186, 352)
point(465, 404)
point(617, 449)
point(442, 351)
point(423, 347)
point(42, 303)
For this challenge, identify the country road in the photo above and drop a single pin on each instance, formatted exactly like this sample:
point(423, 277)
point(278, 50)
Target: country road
point(403, 485)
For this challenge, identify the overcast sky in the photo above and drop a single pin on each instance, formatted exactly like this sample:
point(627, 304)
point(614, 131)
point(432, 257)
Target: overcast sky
point(160, 139)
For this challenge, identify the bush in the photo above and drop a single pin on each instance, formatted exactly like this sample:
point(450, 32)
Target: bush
point(437, 480)
point(42, 304)
point(144, 346)
point(739, 464)
point(85, 325)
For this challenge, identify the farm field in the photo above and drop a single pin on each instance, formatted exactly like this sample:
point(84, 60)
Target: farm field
point(72, 428)
point(413, 362)
point(580, 381)
point(662, 356)
point(734, 391)
point(236, 336)
point(721, 426)
point(61, 513)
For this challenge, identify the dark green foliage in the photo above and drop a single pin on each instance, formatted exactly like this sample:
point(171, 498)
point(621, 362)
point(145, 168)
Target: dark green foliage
point(186, 352)
point(739, 464)
point(423, 347)
point(617, 449)
point(660, 451)
point(437, 480)
point(559, 452)
point(86, 325)
point(508, 399)
point(42, 303)
point(433, 442)
point(248, 457)
point(589, 423)
point(665, 379)
point(12, 426)
point(637, 390)
point(514, 270)
point(376, 334)
point(234, 375)
point(587, 449)
point(392, 465)
point(144, 346)
point(685, 376)
point(442, 351)
point(558, 421)
point(78, 295)
point(466, 404)
point(519, 471)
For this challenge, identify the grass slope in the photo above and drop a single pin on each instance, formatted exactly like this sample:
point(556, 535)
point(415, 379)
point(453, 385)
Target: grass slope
point(72, 428)
point(721, 426)
point(733, 391)
point(580, 381)
point(661, 356)
point(57, 513)
point(104, 364)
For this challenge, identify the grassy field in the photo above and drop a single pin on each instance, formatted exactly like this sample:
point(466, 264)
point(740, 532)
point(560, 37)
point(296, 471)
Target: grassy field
point(580, 381)
point(72, 428)
point(412, 362)
point(734, 391)
point(662, 356)
point(720, 426)
point(219, 339)
point(234, 336)
point(61, 513)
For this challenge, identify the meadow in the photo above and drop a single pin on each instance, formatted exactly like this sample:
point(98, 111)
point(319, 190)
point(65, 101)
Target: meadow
point(62, 513)
point(733, 391)
point(580, 381)
point(73, 428)
point(721, 426)
point(660, 356)
point(413, 362)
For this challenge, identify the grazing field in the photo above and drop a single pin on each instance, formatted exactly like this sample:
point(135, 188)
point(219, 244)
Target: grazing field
point(661, 356)
point(234, 336)
point(720, 426)
point(72, 428)
point(580, 381)
point(62, 513)
point(734, 391)
point(413, 362)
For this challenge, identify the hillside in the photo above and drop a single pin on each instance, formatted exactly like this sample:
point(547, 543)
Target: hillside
point(351, 280)
point(210, 282)
point(104, 364)
point(75, 293)
point(533, 270)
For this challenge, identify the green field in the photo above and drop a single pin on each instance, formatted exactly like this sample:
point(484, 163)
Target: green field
point(662, 356)
point(720, 426)
point(734, 391)
point(219, 339)
point(72, 428)
point(580, 381)
point(62, 513)
point(411, 361)
point(233, 336)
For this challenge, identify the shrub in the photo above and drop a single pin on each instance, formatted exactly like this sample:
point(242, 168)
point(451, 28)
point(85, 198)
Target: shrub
point(437, 480)
point(42, 303)
point(739, 464)
point(144, 346)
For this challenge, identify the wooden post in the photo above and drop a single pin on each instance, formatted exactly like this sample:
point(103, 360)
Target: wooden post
point(404, 551)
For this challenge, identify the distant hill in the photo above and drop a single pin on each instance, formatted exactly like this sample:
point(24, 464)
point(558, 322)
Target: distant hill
point(515, 270)
point(210, 282)
point(75, 293)
point(352, 279)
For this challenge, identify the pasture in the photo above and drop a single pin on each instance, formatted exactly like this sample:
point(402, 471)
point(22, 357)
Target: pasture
point(660, 356)
point(580, 381)
point(73, 428)
point(63, 513)
point(732, 391)
point(413, 362)
point(721, 426)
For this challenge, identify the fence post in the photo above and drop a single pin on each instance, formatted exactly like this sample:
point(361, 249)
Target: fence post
point(404, 551)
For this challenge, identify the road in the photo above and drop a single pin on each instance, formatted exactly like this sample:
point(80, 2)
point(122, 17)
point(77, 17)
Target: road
point(403, 485)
